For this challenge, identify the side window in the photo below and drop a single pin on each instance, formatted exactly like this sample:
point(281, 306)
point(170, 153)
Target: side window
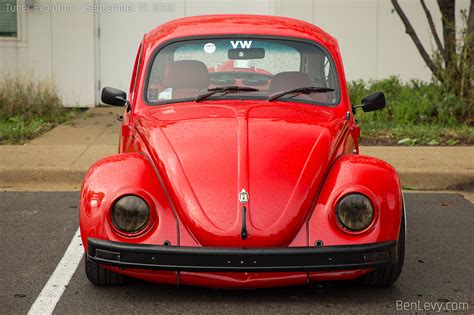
point(136, 71)
point(8, 18)
point(320, 69)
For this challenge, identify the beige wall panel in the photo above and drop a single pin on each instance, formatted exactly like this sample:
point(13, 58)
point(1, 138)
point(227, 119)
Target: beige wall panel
point(353, 23)
point(203, 7)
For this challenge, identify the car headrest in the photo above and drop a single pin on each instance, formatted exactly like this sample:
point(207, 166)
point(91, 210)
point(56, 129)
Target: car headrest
point(289, 80)
point(187, 74)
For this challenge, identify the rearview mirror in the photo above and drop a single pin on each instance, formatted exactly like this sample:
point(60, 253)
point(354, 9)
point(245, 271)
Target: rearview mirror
point(114, 97)
point(372, 102)
point(246, 54)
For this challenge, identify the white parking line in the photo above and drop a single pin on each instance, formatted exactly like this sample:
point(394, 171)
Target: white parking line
point(57, 283)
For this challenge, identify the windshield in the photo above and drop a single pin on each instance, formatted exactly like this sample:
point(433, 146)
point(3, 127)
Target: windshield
point(183, 70)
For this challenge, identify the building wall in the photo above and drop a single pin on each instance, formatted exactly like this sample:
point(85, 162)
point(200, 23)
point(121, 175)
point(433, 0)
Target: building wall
point(55, 46)
point(65, 47)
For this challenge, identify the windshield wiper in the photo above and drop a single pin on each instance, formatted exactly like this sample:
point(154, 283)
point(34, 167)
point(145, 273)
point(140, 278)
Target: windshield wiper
point(301, 90)
point(225, 90)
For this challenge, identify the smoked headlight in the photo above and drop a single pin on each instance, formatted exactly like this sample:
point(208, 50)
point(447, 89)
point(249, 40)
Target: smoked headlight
point(130, 214)
point(354, 212)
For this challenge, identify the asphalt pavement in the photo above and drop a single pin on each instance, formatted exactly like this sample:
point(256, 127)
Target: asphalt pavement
point(37, 227)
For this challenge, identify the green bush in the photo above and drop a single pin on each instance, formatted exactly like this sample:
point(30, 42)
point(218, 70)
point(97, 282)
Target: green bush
point(414, 102)
point(27, 98)
point(28, 107)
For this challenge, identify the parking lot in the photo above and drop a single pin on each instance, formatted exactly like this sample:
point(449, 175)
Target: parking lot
point(37, 227)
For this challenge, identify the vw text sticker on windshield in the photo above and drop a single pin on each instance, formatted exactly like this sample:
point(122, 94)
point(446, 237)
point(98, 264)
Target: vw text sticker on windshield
point(244, 44)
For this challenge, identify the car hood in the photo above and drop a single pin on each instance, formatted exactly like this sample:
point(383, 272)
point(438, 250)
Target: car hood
point(209, 152)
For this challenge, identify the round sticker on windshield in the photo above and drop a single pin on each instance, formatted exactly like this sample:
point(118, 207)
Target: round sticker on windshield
point(209, 48)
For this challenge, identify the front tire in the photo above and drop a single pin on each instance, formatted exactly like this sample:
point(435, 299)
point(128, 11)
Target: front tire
point(387, 275)
point(100, 276)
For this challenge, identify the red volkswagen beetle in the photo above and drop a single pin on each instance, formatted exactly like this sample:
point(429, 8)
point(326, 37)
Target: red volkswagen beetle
point(239, 165)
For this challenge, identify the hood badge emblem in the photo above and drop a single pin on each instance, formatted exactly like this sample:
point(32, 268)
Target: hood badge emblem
point(243, 196)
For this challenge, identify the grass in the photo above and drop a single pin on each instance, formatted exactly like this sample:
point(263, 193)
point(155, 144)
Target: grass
point(399, 134)
point(18, 130)
point(28, 108)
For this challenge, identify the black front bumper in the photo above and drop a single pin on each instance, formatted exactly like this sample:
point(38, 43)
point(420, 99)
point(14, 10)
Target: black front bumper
point(213, 259)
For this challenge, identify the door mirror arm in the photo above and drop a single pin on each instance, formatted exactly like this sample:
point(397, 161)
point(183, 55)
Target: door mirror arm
point(126, 103)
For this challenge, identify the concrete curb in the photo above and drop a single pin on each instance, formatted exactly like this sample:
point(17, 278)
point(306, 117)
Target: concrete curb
point(70, 179)
point(435, 179)
point(41, 179)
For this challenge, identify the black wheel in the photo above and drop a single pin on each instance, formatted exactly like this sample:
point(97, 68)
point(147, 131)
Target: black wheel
point(387, 275)
point(100, 276)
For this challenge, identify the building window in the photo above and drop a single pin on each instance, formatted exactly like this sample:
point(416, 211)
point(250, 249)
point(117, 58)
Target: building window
point(8, 18)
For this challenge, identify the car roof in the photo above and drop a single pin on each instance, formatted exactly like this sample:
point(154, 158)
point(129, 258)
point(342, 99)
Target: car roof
point(238, 24)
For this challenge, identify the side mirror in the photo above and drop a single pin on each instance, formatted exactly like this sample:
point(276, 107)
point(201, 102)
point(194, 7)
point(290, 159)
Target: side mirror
point(372, 102)
point(114, 97)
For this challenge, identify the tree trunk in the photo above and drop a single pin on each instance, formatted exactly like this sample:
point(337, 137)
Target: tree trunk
point(432, 27)
point(448, 14)
point(470, 51)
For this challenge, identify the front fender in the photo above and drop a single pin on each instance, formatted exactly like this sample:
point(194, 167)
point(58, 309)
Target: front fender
point(360, 174)
point(124, 174)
